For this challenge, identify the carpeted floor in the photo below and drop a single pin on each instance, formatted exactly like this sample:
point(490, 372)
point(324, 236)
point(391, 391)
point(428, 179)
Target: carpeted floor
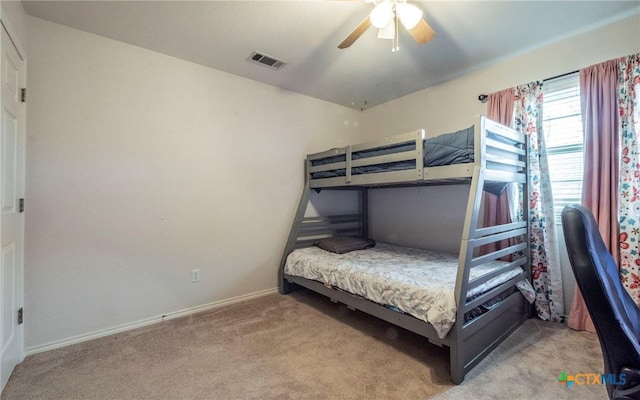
point(302, 346)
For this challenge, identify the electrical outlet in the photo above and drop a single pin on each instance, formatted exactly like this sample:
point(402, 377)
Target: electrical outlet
point(195, 275)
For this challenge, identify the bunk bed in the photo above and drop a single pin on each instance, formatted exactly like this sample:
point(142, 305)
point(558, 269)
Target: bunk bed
point(481, 296)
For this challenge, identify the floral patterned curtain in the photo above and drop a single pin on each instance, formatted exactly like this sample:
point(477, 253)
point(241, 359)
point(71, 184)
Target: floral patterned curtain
point(545, 265)
point(629, 188)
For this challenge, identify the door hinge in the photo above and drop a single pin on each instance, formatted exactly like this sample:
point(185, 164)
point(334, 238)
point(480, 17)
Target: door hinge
point(20, 316)
point(23, 95)
point(21, 205)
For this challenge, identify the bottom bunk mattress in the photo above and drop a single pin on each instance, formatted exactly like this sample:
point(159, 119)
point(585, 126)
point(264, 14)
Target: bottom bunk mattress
point(418, 282)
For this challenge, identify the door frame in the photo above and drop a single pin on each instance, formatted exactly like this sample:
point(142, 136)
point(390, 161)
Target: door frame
point(14, 37)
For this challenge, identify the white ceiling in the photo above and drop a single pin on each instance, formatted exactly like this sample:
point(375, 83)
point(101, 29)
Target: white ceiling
point(222, 34)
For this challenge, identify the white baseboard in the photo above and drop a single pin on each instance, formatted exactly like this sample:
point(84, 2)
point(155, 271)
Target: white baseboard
point(148, 321)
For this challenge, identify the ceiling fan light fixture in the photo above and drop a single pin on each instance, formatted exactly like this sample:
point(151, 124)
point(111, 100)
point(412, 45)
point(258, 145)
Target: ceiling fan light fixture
point(409, 14)
point(388, 14)
point(381, 15)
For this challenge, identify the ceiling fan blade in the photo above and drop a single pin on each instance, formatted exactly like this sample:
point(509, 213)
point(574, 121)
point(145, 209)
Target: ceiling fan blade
point(422, 33)
point(353, 36)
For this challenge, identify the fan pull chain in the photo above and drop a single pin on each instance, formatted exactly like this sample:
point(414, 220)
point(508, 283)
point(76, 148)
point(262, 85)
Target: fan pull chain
point(395, 46)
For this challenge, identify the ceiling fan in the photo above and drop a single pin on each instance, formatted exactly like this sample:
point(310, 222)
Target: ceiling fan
point(386, 16)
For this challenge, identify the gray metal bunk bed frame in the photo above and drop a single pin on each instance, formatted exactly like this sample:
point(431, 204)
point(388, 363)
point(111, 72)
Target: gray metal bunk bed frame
point(500, 156)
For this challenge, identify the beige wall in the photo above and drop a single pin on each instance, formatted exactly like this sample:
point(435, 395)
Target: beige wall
point(142, 167)
point(454, 104)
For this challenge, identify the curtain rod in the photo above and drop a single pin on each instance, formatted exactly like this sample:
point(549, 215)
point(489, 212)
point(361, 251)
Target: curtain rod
point(483, 97)
point(560, 76)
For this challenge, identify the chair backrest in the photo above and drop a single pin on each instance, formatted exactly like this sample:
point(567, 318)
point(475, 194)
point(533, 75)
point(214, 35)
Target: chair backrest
point(615, 315)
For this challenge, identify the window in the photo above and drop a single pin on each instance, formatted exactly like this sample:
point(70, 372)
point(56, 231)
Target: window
point(562, 125)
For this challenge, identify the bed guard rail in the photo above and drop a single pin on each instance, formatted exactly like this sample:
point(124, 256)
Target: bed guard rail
point(368, 163)
point(504, 152)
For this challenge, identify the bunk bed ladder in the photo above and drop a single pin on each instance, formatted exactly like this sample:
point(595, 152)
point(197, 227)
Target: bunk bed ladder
point(457, 356)
point(463, 356)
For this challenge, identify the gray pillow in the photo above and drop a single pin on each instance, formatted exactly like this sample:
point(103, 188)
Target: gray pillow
point(345, 244)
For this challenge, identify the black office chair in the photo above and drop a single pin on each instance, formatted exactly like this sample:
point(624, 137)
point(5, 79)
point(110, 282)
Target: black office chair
point(615, 315)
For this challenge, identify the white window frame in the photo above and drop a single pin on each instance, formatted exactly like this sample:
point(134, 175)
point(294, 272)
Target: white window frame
point(562, 126)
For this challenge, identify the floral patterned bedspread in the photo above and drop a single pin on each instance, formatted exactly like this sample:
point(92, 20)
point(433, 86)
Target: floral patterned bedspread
point(418, 282)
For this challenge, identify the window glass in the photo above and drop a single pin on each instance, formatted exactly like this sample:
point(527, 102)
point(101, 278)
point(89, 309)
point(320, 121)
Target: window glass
point(563, 137)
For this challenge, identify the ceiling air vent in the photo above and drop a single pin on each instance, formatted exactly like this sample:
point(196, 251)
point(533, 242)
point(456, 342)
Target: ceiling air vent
point(266, 60)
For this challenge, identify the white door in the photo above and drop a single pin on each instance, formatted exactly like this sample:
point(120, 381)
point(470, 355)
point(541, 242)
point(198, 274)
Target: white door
point(12, 145)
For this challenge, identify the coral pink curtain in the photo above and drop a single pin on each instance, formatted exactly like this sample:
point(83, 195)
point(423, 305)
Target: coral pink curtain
point(598, 86)
point(500, 107)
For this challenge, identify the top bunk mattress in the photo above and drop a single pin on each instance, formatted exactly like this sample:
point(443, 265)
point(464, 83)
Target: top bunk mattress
point(418, 282)
point(446, 149)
